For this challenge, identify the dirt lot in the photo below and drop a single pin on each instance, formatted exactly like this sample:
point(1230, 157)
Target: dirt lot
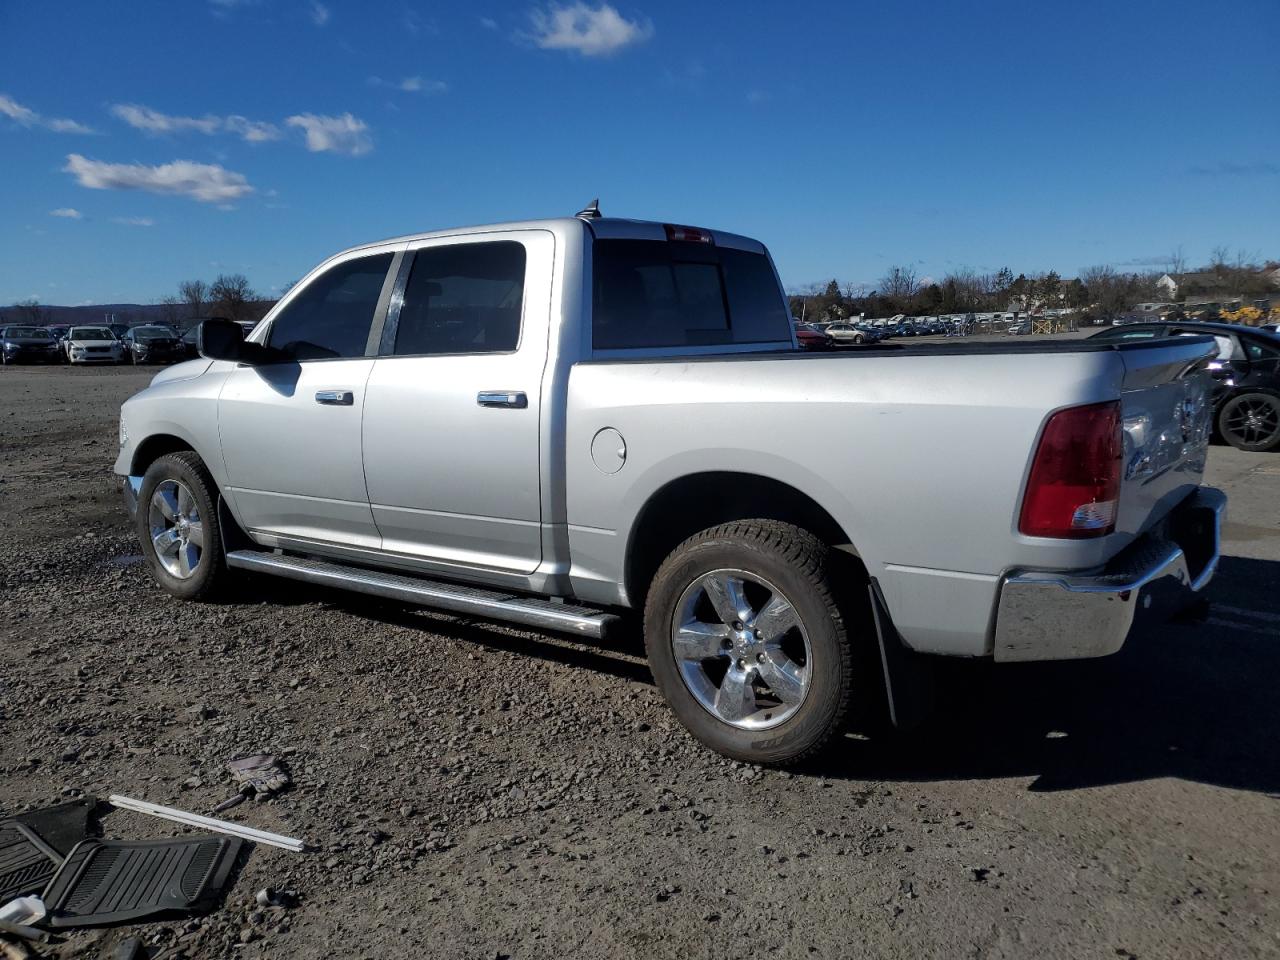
point(475, 791)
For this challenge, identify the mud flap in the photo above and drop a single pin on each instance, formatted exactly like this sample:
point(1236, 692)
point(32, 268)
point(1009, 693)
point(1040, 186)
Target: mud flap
point(233, 537)
point(908, 676)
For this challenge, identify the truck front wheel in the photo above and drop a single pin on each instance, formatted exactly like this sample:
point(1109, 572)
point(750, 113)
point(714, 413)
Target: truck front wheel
point(747, 643)
point(177, 526)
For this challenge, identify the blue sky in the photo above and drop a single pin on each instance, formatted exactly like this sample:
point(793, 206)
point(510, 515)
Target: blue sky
point(150, 142)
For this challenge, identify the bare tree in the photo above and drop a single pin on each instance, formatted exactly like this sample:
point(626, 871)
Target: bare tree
point(231, 296)
point(195, 294)
point(899, 283)
point(30, 311)
point(1108, 291)
point(170, 310)
point(1218, 258)
point(1176, 264)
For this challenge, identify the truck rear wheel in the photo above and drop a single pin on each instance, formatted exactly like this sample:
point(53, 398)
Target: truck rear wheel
point(747, 643)
point(177, 527)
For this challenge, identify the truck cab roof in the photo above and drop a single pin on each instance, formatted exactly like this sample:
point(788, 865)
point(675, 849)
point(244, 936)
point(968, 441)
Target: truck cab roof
point(610, 228)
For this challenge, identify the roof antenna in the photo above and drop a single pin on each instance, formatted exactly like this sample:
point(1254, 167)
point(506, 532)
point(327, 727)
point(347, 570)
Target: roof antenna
point(591, 211)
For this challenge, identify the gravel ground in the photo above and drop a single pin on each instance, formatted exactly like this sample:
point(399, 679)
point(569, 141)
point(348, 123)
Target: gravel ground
point(482, 792)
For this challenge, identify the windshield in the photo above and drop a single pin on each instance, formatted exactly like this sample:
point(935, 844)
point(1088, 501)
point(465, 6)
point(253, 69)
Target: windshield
point(91, 333)
point(150, 333)
point(28, 332)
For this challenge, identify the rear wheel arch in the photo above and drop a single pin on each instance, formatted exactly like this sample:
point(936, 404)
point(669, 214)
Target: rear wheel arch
point(697, 502)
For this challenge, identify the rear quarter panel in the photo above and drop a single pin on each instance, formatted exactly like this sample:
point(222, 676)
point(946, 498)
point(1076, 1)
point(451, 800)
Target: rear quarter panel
point(920, 459)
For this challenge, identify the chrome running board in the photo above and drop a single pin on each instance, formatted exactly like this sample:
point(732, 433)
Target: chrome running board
point(474, 601)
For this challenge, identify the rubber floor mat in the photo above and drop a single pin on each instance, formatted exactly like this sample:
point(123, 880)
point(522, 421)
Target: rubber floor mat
point(33, 845)
point(26, 862)
point(105, 882)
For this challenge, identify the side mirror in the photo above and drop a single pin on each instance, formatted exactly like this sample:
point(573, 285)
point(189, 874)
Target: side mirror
point(220, 340)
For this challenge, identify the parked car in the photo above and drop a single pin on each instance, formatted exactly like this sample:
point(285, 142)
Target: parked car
point(28, 344)
point(1019, 328)
point(154, 344)
point(845, 333)
point(93, 344)
point(190, 342)
point(538, 423)
point(810, 337)
point(1246, 398)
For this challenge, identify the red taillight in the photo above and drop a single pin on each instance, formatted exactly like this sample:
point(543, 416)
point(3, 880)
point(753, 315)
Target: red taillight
point(688, 234)
point(1074, 487)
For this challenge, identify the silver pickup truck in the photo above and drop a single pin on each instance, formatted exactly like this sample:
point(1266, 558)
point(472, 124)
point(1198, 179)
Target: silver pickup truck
point(558, 422)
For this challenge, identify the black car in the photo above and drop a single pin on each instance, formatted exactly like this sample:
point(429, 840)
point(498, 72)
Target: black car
point(153, 344)
point(28, 344)
point(1246, 398)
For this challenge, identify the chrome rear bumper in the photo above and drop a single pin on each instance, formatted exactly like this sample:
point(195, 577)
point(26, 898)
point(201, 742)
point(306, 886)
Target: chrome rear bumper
point(1045, 615)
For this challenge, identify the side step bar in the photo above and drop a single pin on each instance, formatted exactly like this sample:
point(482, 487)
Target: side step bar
point(474, 601)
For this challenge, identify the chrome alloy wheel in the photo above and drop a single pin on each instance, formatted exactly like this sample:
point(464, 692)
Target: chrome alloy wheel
point(741, 649)
point(177, 534)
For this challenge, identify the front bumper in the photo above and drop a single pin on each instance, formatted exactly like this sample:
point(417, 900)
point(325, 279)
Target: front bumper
point(1044, 615)
point(34, 355)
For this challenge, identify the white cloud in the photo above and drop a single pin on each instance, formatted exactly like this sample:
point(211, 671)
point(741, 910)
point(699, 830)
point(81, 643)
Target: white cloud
point(153, 121)
point(134, 221)
point(320, 13)
point(411, 85)
point(71, 213)
point(253, 131)
point(489, 23)
point(591, 31)
point(206, 182)
point(27, 117)
point(344, 134)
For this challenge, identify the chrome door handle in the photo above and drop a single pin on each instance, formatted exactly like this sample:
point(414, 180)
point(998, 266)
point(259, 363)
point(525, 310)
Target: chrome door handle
point(503, 398)
point(336, 398)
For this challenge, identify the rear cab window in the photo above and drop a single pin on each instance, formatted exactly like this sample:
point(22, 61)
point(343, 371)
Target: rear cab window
point(681, 293)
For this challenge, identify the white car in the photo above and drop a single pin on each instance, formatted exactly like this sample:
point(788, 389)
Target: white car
point(93, 345)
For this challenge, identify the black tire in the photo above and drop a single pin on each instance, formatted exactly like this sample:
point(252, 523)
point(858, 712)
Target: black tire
point(1251, 421)
point(858, 339)
point(210, 573)
point(799, 565)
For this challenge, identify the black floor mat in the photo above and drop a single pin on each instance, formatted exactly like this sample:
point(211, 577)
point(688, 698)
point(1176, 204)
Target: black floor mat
point(104, 882)
point(26, 862)
point(33, 845)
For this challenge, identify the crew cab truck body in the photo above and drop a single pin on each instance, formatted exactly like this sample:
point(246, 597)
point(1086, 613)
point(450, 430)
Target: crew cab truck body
point(554, 422)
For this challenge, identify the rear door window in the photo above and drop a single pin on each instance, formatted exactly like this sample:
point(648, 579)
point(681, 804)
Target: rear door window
point(654, 293)
point(463, 298)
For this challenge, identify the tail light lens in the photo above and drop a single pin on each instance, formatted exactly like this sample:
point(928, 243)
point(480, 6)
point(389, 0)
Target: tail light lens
point(1074, 488)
